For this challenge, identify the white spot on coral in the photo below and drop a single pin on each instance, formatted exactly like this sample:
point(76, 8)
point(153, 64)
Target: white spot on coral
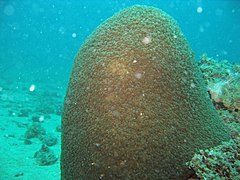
point(101, 176)
point(115, 113)
point(138, 75)
point(193, 85)
point(97, 144)
point(147, 40)
point(175, 36)
point(123, 162)
point(32, 88)
point(134, 61)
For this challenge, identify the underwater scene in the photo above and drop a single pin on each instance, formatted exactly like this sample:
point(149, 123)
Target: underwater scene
point(120, 89)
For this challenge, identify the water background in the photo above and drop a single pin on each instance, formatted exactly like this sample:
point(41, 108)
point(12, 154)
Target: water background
point(39, 39)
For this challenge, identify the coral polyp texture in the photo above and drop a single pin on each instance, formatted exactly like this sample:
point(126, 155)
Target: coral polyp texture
point(136, 105)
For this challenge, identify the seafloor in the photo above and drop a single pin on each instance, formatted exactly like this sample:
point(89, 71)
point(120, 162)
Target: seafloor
point(30, 128)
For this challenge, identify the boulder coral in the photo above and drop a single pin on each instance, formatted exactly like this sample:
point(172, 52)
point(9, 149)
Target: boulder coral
point(136, 105)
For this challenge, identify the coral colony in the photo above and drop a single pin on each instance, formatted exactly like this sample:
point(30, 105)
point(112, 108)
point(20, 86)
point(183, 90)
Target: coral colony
point(136, 106)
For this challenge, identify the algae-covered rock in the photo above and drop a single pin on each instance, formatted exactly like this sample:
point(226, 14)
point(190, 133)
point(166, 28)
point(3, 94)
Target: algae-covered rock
point(221, 162)
point(223, 81)
point(45, 156)
point(50, 139)
point(136, 105)
point(35, 130)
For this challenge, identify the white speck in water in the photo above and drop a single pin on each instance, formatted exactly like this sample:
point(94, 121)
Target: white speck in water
point(147, 40)
point(61, 30)
point(199, 9)
point(143, 94)
point(32, 88)
point(141, 114)
point(175, 36)
point(74, 35)
point(225, 52)
point(201, 29)
point(138, 75)
point(134, 61)
point(8, 10)
point(41, 118)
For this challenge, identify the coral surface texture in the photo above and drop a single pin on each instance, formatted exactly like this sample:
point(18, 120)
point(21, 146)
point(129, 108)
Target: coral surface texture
point(136, 105)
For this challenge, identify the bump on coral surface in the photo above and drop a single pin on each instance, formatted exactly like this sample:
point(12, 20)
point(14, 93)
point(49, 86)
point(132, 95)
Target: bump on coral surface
point(136, 105)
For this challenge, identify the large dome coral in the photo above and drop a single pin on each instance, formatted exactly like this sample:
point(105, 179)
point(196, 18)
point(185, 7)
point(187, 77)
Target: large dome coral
point(136, 105)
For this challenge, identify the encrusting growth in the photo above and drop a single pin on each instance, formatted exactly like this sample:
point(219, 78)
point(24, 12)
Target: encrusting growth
point(136, 105)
